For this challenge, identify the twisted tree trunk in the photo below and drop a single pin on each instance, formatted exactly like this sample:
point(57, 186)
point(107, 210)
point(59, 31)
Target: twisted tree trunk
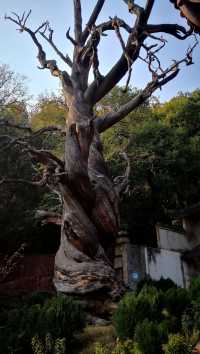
point(90, 217)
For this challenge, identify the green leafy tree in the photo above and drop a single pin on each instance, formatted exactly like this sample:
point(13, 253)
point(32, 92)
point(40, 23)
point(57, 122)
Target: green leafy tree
point(162, 142)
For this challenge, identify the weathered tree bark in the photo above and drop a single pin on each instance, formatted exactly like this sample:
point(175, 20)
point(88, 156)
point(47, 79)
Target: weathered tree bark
point(90, 218)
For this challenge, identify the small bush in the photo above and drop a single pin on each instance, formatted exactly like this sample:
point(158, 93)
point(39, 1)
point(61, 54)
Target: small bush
point(124, 318)
point(176, 345)
point(136, 308)
point(149, 337)
point(194, 289)
point(62, 317)
point(176, 301)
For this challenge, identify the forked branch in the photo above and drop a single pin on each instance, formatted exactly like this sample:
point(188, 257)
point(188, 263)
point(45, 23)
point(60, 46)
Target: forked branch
point(158, 81)
point(131, 50)
point(49, 39)
point(175, 30)
point(45, 64)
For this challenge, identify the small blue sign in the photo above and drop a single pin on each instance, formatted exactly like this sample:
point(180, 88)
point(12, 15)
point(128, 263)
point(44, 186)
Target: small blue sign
point(135, 275)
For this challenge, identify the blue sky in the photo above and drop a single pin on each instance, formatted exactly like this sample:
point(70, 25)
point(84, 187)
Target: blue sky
point(18, 51)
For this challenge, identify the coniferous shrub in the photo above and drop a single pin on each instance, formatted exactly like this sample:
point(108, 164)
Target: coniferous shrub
point(124, 319)
point(59, 318)
point(176, 300)
point(62, 317)
point(135, 308)
point(153, 317)
point(149, 337)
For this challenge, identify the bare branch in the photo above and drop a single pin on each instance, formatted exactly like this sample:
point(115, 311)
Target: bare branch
point(43, 156)
point(136, 38)
point(32, 134)
point(49, 39)
point(158, 81)
point(45, 64)
point(122, 182)
point(148, 9)
point(110, 119)
point(77, 21)
point(43, 27)
point(152, 58)
point(95, 92)
point(89, 53)
point(53, 128)
point(109, 25)
point(134, 8)
point(129, 60)
point(71, 39)
point(92, 20)
point(175, 30)
point(6, 123)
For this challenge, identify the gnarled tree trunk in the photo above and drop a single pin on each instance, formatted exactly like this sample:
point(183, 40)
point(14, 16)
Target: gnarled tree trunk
point(90, 217)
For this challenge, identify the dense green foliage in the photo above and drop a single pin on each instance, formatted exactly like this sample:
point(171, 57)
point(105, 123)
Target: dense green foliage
point(149, 337)
point(163, 144)
point(134, 309)
point(30, 323)
point(17, 201)
point(152, 316)
point(20, 199)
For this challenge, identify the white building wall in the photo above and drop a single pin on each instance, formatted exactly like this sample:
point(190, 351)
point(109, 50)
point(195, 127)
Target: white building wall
point(171, 240)
point(164, 263)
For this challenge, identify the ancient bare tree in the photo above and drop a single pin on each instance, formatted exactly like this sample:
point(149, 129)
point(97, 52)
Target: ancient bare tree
point(90, 199)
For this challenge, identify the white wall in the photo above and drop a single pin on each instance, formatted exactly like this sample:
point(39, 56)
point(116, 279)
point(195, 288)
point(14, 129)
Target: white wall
point(164, 263)
point(171, 240)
